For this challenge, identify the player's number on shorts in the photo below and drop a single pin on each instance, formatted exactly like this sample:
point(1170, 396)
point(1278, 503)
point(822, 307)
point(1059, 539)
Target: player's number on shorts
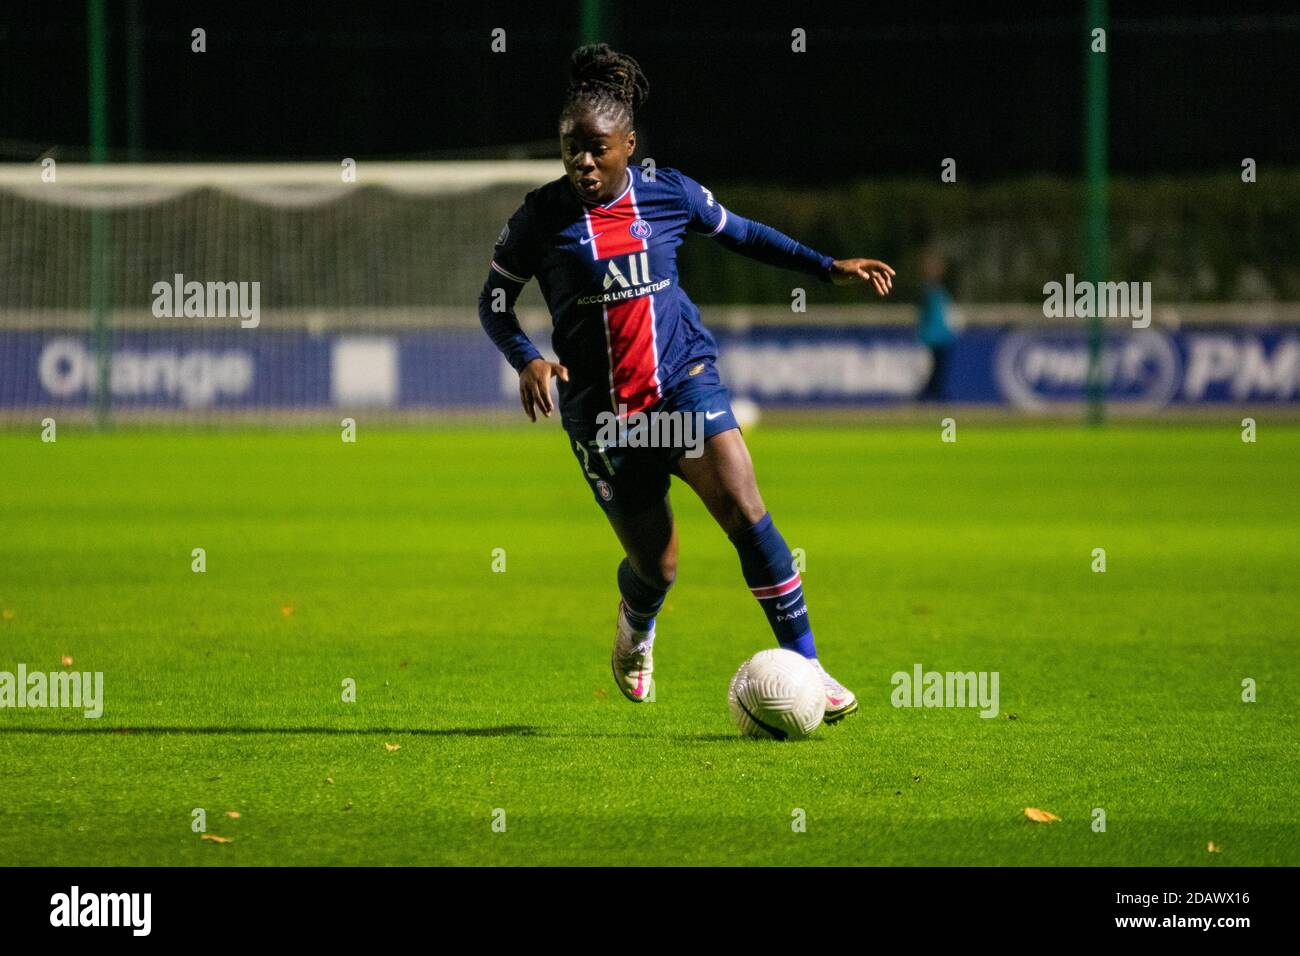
point(586, 459)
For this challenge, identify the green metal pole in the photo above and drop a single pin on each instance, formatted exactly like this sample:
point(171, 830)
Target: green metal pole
point(1097, 243)
point(97, 94)
point(134, 83)
point(593, 22)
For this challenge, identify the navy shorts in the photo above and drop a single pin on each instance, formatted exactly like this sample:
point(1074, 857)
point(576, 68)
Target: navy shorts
point(626, 477)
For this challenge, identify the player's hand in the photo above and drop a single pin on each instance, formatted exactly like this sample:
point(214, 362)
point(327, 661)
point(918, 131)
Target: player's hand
point(855, 271)
point(535, 386)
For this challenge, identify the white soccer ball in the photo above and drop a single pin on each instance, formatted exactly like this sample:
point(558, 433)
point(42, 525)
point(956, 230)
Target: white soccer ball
point(777, 694)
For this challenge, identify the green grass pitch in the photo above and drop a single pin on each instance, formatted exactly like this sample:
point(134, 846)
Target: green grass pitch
point(373, 561)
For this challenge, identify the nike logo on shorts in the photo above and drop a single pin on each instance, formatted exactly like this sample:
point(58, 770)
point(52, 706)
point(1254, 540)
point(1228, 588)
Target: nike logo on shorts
point(710, 416)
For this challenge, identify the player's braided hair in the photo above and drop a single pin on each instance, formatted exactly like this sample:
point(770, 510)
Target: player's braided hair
point(604, 81)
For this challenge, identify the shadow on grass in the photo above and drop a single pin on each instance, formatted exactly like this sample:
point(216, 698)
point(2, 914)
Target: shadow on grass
point(707, 738)
point(509, 730)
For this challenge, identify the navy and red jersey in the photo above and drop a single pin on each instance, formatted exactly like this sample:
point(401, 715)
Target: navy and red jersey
point(622, 325)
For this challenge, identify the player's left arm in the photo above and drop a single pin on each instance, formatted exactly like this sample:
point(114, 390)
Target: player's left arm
point(878, 274)
point(752, 238)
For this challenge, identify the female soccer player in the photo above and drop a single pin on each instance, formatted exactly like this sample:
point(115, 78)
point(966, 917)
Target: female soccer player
point(602, 242)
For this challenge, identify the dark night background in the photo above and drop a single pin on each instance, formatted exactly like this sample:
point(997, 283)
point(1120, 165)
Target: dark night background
point(881, 91)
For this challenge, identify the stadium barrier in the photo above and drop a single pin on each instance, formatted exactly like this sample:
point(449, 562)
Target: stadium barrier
point(413, 361)
point(331, 287)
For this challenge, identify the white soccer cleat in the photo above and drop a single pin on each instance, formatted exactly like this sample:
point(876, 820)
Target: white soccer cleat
point(633, 660)
point(840, 701)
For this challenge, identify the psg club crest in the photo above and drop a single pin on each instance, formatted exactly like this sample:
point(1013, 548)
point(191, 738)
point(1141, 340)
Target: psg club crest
point(606, 492)
point(640, 229)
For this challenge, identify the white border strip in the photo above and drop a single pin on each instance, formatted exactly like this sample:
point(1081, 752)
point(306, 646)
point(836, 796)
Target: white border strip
point(410, 177)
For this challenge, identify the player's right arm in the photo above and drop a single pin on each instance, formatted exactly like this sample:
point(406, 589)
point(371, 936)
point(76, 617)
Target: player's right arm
point(513, 263)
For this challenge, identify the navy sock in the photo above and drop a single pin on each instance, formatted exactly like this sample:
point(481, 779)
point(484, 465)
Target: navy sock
point(641, 601)
point(768, 566)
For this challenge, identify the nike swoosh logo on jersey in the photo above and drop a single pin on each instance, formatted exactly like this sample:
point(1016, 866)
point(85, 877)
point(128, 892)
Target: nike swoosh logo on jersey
point(710, 416)
point(590, 238)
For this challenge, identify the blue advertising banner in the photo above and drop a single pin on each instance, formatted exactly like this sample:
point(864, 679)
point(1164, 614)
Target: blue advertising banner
point(1030, 368)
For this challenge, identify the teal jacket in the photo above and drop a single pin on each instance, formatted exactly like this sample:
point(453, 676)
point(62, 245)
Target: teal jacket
point(932, 317)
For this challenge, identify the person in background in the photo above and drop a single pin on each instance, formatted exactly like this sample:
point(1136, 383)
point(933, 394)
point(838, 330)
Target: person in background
point(933, 326)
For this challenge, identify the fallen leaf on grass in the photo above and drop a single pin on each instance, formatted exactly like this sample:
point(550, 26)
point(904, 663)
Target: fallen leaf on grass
point(1041, 816)
point(233, 814)
point(66, 660)
point(391, 747)
point(329, 780)
point(1214, 849)
point(286, 610)
point(600, 692)
point(216, 839)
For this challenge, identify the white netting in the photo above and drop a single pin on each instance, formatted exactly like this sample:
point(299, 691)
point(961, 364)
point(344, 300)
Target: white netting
point(337, 272)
